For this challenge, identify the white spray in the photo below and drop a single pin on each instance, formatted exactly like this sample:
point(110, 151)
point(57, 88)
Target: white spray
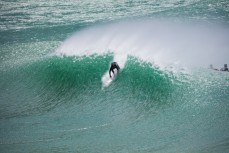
point(160, 42)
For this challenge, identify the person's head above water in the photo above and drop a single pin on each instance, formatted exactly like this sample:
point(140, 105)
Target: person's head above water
point(225, 65)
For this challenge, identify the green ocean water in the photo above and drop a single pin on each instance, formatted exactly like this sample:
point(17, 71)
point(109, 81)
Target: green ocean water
point(54, 55)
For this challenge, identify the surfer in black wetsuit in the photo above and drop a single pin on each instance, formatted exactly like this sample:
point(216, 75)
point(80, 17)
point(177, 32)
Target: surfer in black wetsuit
point(114, 65)
point(224, 68)
point(211, 67)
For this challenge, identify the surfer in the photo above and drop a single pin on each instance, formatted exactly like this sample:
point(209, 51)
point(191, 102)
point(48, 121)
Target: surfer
point(224, 68)
point(114, 65)
point(211, 67)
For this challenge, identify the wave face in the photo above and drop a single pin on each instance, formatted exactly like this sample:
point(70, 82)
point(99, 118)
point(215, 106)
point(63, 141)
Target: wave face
point(58, 100)
point(54, 56)
point(54, 80)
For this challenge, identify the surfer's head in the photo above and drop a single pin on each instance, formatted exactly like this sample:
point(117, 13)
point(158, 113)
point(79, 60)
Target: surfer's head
point(211, 66)
point(225, 65)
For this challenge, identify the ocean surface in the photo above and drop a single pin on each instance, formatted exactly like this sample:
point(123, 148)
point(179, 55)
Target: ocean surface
point(55, 54)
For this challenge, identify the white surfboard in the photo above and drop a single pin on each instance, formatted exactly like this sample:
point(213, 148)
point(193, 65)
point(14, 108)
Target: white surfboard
point(106, 80)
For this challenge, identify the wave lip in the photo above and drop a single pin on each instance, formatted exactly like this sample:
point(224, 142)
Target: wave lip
point(162, 43)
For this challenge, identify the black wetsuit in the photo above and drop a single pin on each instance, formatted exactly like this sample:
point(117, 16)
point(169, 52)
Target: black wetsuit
point(114, 65)
point(224, 68)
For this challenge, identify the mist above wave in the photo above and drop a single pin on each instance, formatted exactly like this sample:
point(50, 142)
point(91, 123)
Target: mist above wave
point(158, 41)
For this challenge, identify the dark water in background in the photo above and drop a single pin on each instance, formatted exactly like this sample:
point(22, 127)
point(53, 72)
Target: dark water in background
point(164, 100)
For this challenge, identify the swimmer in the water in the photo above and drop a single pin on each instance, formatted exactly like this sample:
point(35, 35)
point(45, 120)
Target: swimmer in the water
point(211, 67)
point(224, 68)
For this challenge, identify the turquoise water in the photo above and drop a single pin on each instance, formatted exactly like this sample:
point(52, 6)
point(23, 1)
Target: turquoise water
point(55, 54)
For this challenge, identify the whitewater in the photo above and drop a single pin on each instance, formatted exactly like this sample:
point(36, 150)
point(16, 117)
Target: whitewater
point(54, 62)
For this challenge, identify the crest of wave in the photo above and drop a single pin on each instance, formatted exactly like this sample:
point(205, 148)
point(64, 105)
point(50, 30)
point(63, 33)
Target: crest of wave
point(157, 41)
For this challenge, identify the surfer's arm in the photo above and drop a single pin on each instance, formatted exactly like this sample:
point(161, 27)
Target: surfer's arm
point(118, 68)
